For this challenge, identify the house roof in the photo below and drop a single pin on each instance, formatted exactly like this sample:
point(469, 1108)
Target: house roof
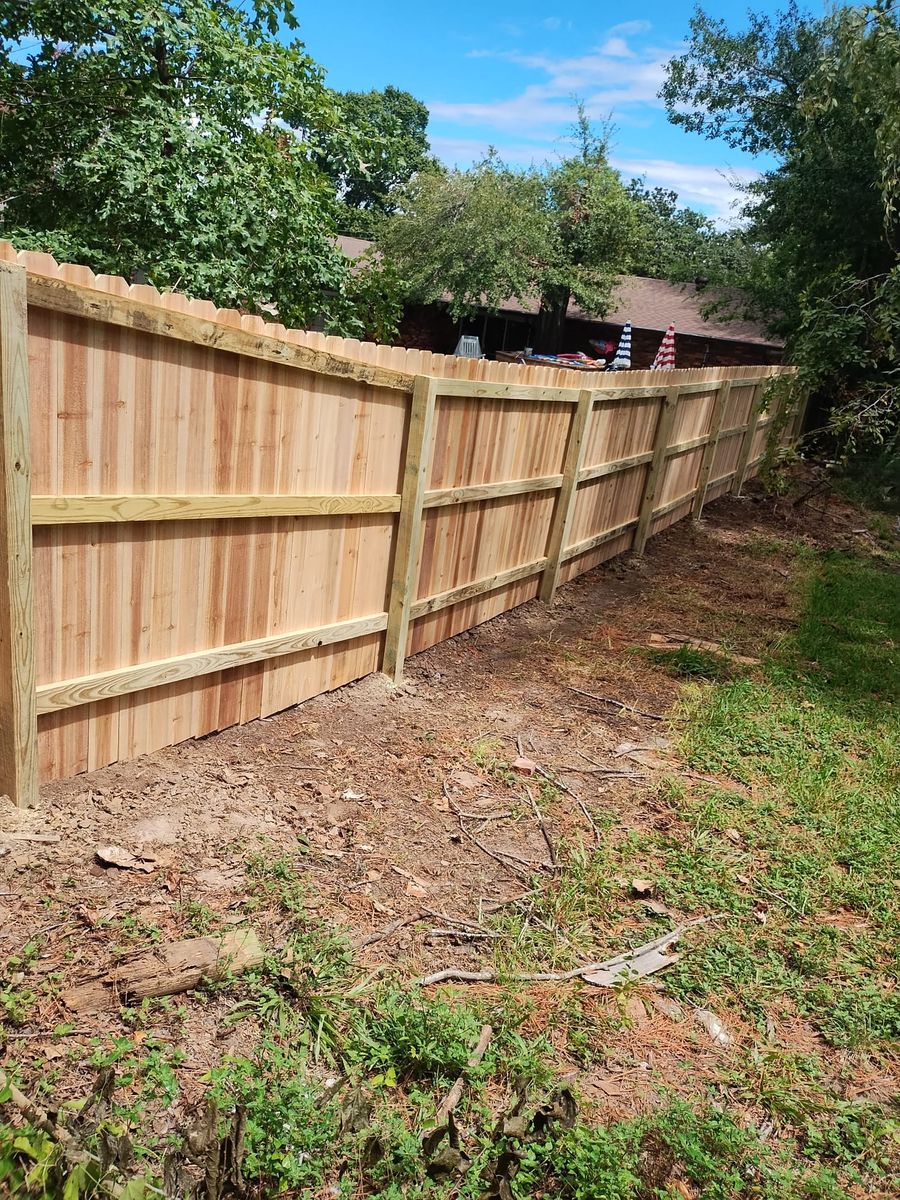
point(646, 303)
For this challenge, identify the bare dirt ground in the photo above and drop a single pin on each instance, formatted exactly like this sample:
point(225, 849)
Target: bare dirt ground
point(360, 788)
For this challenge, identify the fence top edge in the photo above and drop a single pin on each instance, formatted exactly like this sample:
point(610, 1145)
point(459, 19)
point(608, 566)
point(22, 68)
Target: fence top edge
point(263, 341)
point(46, 275)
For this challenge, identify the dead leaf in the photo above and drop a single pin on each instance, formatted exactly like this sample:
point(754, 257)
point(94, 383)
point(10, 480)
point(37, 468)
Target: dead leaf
point(524, 766)
point(466, 779)
point(116, 856)
point(713, 1026)
point(642, 887)
point(416, 890)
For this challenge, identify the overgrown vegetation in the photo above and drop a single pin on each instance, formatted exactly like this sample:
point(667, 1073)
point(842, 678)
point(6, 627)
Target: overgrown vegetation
point(820, 94)
point(786, 834)
point(186, 145)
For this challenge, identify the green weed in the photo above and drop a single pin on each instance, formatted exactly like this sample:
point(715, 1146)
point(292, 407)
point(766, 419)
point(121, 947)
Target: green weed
point(690, 662)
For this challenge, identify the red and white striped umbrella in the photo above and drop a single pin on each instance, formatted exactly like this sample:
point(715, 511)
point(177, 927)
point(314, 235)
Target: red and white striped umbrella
point(665, 355)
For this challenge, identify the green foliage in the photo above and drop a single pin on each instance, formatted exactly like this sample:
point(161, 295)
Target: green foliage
point(822, 96)
point(372, 301)
point(392, 126)
point(689, 662)
point(292, 1131)
point(492, 232)
point(403, 1036)
point(172, 142)
point(816, 740)
point(682, 245)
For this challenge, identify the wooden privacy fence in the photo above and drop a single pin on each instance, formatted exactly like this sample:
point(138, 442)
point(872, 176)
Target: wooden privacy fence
point(205, 519)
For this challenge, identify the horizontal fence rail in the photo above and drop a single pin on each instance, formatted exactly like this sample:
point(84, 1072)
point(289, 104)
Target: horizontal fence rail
point(206, 519)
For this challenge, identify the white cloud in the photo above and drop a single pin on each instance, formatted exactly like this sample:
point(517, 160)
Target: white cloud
point(604, 78)
point(616, 47)
point(715, 189)
point(630, 28)
point(551, 23)
point(619, 78)
point(462, 152)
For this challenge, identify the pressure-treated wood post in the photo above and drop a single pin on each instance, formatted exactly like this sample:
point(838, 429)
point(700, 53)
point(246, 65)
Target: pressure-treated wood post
point(740, 475)
point(709, 452)
point(654, 472)
point(18, 706)
point(409, 527)
point(561, 522)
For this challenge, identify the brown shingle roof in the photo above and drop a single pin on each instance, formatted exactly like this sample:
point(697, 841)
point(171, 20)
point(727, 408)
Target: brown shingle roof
point(647, 303)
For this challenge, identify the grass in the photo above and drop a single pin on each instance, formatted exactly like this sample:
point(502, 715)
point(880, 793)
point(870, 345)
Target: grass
point(796, 852)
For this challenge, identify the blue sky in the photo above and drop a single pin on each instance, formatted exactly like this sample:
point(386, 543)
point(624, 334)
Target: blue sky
point(504, 74)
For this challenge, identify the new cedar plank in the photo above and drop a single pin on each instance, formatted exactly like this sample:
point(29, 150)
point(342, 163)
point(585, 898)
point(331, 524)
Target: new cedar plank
point(18, 727)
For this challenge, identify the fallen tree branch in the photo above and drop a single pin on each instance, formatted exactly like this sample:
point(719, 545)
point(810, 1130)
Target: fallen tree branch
point(381, 934)
point(548, 775)
point(618, 968)
point(499, 856)
point(454, 1096)
point(539, 817)
point(641, 712)
point(472, 935)
point(168, 969)
point(464, 921)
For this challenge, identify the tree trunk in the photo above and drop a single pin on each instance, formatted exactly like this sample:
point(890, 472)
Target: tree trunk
point(552, 321)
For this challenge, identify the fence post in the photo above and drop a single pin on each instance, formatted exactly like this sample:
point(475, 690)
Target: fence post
point(561, 521)
point(409, 527)
point(740, 476)
point(660, 445)
point(18, 705)
point(709, 452)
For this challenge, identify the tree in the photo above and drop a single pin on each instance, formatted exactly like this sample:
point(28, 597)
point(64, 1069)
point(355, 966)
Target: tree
point(172, 139)
point(682, 245)
point(490, 233)
point(823, 96)
point(393, 126)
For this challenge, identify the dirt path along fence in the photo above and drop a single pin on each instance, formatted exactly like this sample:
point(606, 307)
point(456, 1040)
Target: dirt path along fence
point(206, 519)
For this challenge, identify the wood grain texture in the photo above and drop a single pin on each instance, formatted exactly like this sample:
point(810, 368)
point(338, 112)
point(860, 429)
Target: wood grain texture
point(506, 391)
point(690, 444)
point(664, 425)
point(612, 468)
point(478, 587)
point(102, 686)
point(565, 503)
point(18, 718)
point(441, 497)
point(64, 296)
point(134, 411)
point(709, 453)
point(93, 510)
point(597, 539)
point(167, 970)
point(408, 541)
